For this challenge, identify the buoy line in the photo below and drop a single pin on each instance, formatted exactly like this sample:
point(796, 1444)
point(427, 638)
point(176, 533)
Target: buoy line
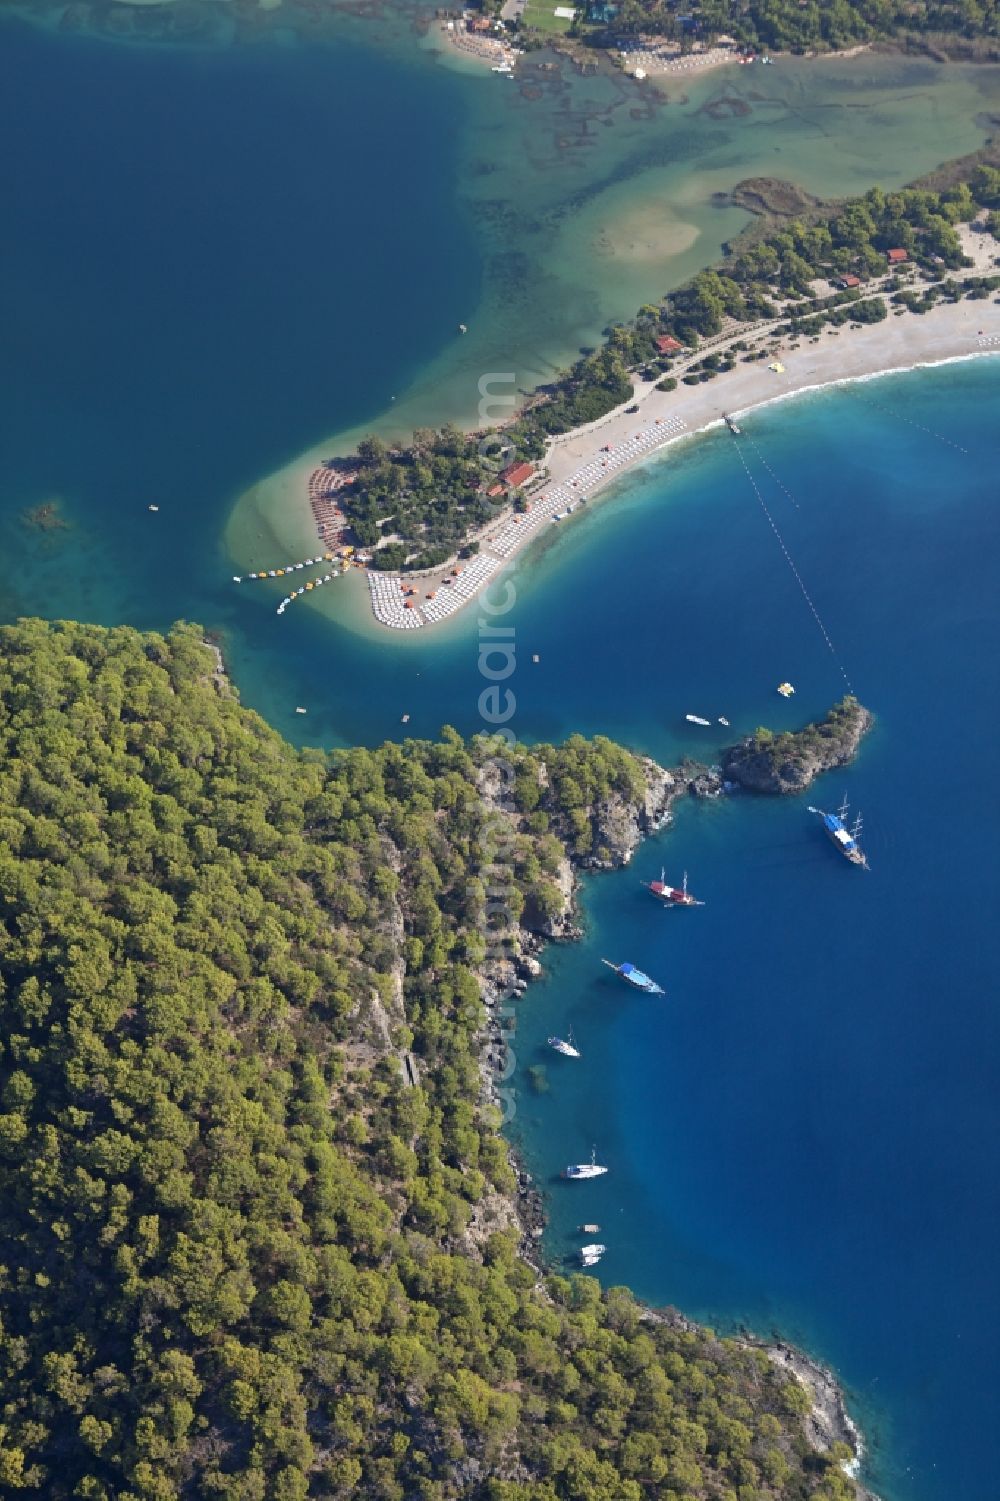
point(304, 589)
point(277, 573)
point(795, 572)
point(780, 483)
point(892, 412)
point(289, 568)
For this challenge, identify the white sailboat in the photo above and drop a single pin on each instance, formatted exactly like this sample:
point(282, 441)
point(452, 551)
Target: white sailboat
point(590, 1169)
point(568, 1049)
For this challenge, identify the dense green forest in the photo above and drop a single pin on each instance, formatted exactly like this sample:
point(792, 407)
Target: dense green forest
point(427, 497)
point(421, 502)
point(243, 1256)
point(789, 25)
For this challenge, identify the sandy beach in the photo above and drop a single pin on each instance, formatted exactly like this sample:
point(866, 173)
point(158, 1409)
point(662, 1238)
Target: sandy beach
point(660, 61)
point(579, 466)
point(485, 50)
point(582, 464)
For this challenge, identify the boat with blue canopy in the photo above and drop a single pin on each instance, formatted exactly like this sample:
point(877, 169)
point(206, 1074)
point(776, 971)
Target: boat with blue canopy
point(635, 977)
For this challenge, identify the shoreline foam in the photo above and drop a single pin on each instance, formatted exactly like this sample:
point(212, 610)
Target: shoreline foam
point(870, 353)
point(950, 333)
point(859, 380)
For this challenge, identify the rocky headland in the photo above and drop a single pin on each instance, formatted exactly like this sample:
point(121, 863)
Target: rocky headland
point(790, 761)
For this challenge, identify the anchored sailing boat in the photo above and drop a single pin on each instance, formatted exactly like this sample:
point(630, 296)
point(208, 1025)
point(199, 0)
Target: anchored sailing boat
point(845, 839)
point(635, 977)
point(672, 896)
point(568, 1049)
point(589, 1169)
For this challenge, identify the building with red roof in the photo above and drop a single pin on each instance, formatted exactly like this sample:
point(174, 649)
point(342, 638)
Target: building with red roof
point(667, 344)
point(895, 257)
point(517, 474)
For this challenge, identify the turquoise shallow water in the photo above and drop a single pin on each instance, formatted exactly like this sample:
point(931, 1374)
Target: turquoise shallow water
point(804, 1133)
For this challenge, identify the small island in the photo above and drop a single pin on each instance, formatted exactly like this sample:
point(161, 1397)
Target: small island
point(790, 761)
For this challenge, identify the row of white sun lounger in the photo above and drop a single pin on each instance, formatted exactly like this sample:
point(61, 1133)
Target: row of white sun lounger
point(387, 603)
point(563, 498)
point(462, 589)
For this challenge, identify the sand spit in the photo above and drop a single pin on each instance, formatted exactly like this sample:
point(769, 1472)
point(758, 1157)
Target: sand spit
point(581, 464)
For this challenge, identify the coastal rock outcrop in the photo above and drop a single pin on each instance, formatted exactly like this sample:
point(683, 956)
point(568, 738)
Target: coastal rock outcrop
point(789, 762)
point(620, 823)
point(554, 920)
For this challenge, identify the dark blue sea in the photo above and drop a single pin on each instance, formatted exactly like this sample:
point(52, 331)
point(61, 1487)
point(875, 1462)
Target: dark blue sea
point(207, 262)
point(802, 1135)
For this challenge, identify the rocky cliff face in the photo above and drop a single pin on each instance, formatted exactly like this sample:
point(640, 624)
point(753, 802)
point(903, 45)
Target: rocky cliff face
point(620, 824)
point(789, 762)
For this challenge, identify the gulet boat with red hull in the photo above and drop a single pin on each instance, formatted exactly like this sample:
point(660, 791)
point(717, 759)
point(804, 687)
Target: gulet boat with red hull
point(672, 896)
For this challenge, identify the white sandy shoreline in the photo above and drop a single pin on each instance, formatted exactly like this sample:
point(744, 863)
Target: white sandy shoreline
point(581, 464)
point(859, 380)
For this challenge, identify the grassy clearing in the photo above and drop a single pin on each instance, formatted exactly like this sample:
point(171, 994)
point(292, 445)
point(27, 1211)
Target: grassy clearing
point(541, 16)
